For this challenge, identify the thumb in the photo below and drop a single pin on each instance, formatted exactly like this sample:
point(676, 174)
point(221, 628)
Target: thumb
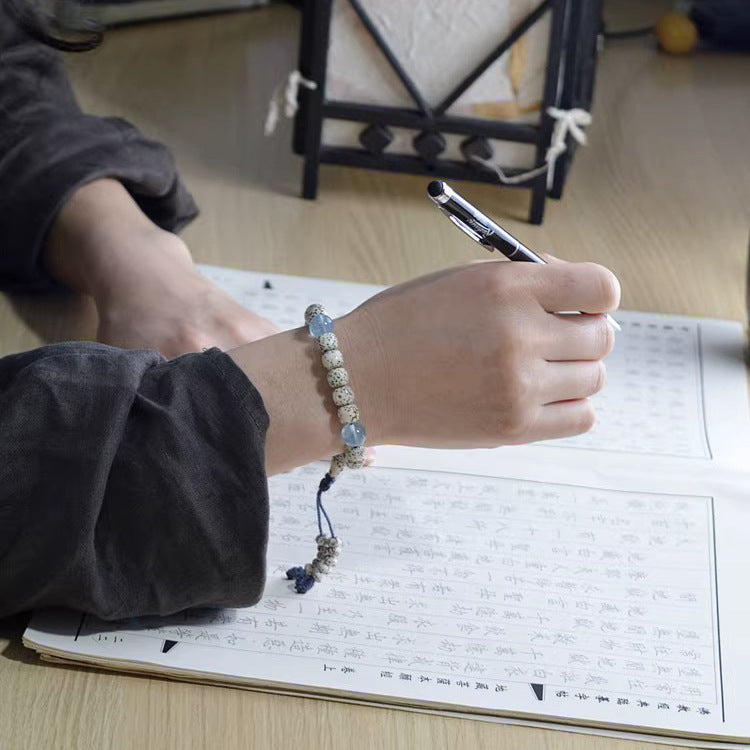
point(552, 259)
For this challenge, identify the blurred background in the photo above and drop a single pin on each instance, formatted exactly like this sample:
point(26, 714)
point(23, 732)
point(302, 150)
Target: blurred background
point(660, 191)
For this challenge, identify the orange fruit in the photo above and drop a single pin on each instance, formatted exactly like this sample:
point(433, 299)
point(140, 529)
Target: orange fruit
point(677, 34)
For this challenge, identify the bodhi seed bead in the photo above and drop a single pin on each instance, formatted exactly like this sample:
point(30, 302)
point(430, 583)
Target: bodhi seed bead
point(337, 377)
point(312, 311)
point(337, 465)
point(332, 359)
point(355, 458)
point(343, 396)
point(320, 324)
point(327, 342)
point(348, 413)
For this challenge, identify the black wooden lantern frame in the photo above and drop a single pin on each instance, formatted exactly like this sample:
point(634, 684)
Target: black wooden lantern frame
point(569, 82)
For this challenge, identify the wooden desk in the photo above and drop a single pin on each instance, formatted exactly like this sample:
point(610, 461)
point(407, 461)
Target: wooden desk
point(661, 195)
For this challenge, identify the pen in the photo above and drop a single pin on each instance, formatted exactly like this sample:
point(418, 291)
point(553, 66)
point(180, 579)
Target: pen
point(482, 229)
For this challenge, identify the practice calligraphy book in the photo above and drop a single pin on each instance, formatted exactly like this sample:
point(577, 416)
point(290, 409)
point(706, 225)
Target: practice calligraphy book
point(595, 583)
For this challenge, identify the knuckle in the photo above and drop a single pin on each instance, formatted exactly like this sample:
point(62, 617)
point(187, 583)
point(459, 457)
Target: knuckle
point(608, 287)
point(512, 357)
point(520, 391)
point(512, 284)
point(586, 419)
point(605, 338)
point(599, 378)
point(498, 286)
point(513, 414)
point(515, 425)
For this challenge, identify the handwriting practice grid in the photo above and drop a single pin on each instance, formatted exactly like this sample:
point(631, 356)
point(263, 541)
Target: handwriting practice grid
point(652, 403)
point(495, 594)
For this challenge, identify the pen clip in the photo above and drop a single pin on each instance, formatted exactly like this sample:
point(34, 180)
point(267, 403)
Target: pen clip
point(463, 226)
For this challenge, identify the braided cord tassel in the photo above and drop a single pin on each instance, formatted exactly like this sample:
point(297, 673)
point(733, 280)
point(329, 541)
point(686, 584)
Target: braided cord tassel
point(329, 545)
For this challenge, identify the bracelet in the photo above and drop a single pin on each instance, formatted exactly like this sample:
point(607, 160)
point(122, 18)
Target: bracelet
point(353, 435)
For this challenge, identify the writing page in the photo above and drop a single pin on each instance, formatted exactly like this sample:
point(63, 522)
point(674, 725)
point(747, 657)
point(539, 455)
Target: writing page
point(496, 595)
point(468, 583)
point(676, 386)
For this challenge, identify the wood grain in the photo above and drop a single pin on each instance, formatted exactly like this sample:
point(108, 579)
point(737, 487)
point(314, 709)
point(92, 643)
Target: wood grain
point(661, 195)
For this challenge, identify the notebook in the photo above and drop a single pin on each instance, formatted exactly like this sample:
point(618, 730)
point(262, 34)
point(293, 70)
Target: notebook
point(596, 583)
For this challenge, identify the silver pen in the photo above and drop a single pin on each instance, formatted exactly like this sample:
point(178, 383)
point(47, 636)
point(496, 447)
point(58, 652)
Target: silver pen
point(482, 229)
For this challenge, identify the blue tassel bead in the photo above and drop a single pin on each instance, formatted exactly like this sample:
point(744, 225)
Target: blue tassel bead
point(302, 582)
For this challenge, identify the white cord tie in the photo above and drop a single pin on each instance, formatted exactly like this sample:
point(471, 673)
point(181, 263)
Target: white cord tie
point(288, 94)
point(567, 122)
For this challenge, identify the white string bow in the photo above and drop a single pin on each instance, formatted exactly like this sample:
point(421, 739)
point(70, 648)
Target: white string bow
point(288, 94)
point(567, 122)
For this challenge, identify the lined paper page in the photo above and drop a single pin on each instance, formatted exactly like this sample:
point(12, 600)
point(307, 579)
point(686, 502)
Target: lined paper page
point(492, 594)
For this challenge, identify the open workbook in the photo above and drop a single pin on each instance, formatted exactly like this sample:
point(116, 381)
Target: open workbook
point(598, 581)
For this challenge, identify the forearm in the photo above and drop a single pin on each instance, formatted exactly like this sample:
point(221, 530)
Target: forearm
point(101, 241)
point(152, 496)
point(49, 148)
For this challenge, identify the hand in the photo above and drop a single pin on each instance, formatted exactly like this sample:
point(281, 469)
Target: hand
point(471, 357)
point(165, 304)
point(148, 293)
point(475, 357)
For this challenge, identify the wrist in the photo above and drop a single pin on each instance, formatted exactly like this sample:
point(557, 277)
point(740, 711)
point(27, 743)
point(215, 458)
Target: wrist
point(101, 241)
point(286, 370)
point(125, 264)
point(366, 360)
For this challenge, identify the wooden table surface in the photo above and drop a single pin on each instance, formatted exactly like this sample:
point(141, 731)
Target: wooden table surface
point(661, 195)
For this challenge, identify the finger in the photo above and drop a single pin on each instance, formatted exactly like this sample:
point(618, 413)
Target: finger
point(587, 287)
point(577, 337)
point(568, 381)
point(562, 419)
point(552, 259)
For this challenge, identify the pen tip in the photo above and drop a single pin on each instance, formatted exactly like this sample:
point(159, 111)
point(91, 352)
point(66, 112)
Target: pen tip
point(436, 188)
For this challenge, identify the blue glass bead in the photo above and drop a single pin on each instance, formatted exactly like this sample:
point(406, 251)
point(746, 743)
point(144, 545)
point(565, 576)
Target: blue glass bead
point(320, 324)
point(354, 434)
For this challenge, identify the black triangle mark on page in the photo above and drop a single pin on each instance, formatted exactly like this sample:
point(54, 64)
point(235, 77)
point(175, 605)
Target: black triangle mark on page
point(538, 689)
point(267, 284)
point(167, 646)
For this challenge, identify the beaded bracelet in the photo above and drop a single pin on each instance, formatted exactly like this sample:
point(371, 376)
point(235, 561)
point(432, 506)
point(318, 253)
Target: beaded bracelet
point(353, 434)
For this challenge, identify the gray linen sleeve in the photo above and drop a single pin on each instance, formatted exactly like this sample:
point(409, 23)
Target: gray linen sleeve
point(130, 485)
point(49, 148)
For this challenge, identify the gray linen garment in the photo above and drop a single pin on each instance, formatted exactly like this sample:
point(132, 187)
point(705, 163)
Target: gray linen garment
point(129, 485)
